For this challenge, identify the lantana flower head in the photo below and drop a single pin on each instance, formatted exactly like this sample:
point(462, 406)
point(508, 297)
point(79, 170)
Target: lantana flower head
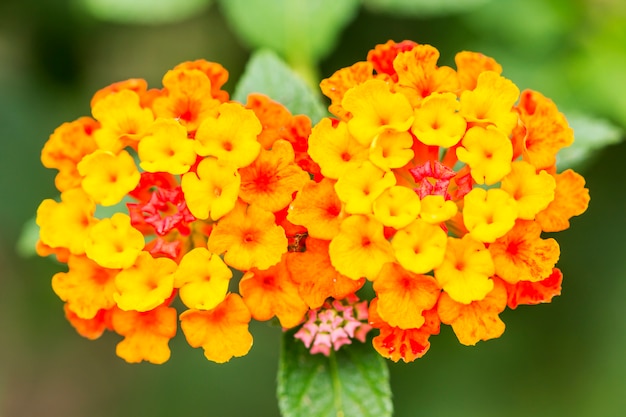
point(447, 180)
point(425, 199)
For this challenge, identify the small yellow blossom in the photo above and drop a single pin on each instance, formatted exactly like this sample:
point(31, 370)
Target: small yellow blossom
point(465, 273)
point(532, 191)
point(146, 284)
point(420, 247)
point(489, 214)
point(212, 190)
point(488, 152)
point(166, 148)
point(202, 279)
point(231, 137)
point(108, 177)
point(437, 121)
point(113, 242)
point(375, 109)
point(359, 187)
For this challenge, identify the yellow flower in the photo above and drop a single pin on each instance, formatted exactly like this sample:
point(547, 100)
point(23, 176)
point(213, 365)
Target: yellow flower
point(533, 191)
point(212, 189)
point(488, 152)
point(146, 284)
point(231, 136)
point(202, 279)
point(437, 121)
point(335, 149)
point(375, 109)
point(122, 120)
point(420, 246)
point(491, 102)
point(360, 249)
point(359, 187)
point(166, 148)
point(466, 269)
point(114, 243)
point(108, 177)
point(397, 206)
point(249, 238)
point(489, 214)
point(66, 224)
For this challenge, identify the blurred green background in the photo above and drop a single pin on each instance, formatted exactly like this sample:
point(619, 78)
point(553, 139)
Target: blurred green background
point(566, 358)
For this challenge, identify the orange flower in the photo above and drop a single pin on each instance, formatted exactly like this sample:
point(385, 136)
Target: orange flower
point(571, 198)
point(528, 293)
point(146, 334)
point(315, 276)
point(403, 296)
point(318, 208)
point(271, 292)
point(469, 65)
point(272, 178)
point(383, 56)
point(546, 129)
point(217, 74)
point(477, 320)
point(521, 254)
point(419, 76)
point(91, 328)
point(221, 332)
point(341, 81)
point(69, 143)
point(407, 344)
point(86, 288)
point(249, 238)
point(187, 97)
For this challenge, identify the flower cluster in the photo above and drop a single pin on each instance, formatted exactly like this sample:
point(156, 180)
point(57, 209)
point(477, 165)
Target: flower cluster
point(440, 183)
point(431, 183)
point(199, 187)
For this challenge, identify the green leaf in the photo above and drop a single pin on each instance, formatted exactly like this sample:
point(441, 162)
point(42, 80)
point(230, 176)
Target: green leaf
point(27, 240)
point(302, 31)
point(144, 11)
point(265, 73)
point(422, 8)
point(351, 382)
point(591, 135)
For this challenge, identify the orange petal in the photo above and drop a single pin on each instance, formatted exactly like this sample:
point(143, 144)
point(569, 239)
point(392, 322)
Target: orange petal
point(571, 198)
point(221, 332)
point(403, 296)
point(271, 292)
point(146, 335)
point(316, 278)
point(526, 292)
point(478, 320)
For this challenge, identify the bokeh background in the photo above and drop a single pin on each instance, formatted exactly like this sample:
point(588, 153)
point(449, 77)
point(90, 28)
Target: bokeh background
point(566, 358)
